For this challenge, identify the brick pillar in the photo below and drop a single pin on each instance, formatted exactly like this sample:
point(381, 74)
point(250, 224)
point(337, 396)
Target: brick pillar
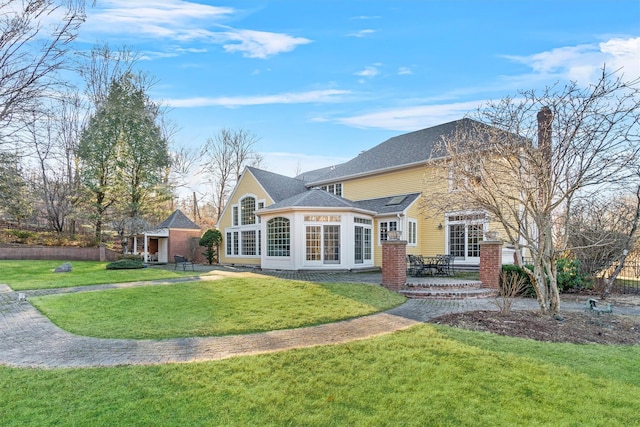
point(103, 252)
point(394, 264)
point(490, 263)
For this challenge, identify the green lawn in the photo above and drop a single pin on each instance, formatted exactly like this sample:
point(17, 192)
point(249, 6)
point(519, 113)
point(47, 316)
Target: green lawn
point(23, 275)
point(221, 307)
point(425, 375)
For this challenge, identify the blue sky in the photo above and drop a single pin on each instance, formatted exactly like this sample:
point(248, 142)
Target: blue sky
point(318, 81)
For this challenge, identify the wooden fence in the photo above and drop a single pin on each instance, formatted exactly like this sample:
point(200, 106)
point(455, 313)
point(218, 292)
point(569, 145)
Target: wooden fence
point(62, 253)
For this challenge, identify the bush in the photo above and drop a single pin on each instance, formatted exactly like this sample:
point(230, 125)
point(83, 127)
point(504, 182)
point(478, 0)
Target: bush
point(21, 236)
point(509, 270)
point(125, 264)
point(211, 240)
point(570, 275)
point(134, 257)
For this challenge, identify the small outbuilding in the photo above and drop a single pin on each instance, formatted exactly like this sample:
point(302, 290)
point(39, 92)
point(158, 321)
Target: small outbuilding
point(176, 235)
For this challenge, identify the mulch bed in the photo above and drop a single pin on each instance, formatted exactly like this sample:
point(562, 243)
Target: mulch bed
point(571, 327)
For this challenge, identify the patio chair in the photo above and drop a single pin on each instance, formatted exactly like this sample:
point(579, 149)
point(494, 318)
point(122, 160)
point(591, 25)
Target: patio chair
point(179, 259)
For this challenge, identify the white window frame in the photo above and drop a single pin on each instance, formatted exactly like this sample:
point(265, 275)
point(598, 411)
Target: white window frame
point(412, 232)
point(387, 228)
point(482, 219)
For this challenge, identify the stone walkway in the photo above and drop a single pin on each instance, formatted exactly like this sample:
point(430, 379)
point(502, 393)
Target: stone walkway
point(29, 339)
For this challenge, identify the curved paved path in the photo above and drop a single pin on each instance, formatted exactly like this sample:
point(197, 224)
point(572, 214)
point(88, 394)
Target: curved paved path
point(29, 339)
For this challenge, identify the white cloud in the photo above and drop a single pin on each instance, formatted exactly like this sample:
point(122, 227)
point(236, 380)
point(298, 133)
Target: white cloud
point(261, 44)
point(369, 71)
point(361, 33)
point(583, 63)
point(322, 96)
point(159, 18)
point(403, 71)
point(184, 21)
point(411, 118)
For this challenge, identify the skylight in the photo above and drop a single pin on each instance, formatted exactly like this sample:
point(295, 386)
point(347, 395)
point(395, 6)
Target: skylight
point(396, 200)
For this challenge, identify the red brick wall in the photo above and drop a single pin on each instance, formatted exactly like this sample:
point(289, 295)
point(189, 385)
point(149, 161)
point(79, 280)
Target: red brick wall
point(179, 244)
point(394, 264)
point(62, 253)
point(490, 263)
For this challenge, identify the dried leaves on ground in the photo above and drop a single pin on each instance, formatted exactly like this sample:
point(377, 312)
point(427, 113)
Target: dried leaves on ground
point(573, 327)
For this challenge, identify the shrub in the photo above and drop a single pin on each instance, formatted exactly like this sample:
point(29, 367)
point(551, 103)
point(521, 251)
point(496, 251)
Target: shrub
point(22, 236)
point(526, 288)
point(570, 275)
point(125, 264)
point(134, 257)
point(210, 240)
point(511, 286)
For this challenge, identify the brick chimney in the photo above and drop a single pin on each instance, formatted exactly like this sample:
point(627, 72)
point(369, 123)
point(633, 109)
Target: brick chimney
point(545, 119)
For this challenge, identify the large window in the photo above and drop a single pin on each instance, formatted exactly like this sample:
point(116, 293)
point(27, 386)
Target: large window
point(362, 244)
point(333, 188)
point(465, 232)
point(322, 243)
point(385, 227)
point(278, 237)
point(314, 243)
point(249, 242)
point(412, 232)
point(234, 216)
point(248, 211)
point(331, 237)
point(236, 243)
point(243, 237)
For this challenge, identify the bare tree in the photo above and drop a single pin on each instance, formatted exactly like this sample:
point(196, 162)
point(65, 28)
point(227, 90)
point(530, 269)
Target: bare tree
point(50, 140)
point(587, 140)
point(225, 156)
point(15, 197)
point(35, 38)
point(102, 66)
point(603, 232)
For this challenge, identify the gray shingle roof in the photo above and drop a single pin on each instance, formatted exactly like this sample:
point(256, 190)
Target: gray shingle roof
point(407, 149)
point(279, 187)
point(313, 198)
point(178, 220)
point(382, 205)
point(310, 176)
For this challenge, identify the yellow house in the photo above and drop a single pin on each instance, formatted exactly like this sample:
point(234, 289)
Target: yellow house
point(337, 218)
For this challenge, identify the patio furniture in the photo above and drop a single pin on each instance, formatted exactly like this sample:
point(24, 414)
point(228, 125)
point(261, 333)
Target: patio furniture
point(421, 266)
point(444, 264)
point(179, 259)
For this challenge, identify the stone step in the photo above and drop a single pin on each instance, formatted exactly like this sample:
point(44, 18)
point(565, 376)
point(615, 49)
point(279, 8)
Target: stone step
point(436, 292)
point(443, 283)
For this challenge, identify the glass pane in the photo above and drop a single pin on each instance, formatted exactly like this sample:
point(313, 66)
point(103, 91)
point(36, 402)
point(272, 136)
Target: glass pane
point(331, 244)
point(314, 242)
point(357, 245)
point(278, 237)
point(473, 239)
point(248, 242)
point(456, 240)
point(248, 211)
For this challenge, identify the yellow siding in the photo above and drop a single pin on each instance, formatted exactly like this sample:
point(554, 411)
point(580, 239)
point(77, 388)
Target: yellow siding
point(431, 240)
point(247, 185)
point(388, 184)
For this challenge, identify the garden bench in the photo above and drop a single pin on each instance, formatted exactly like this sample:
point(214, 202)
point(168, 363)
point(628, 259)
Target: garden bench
point(179, 259)
point(592, 305)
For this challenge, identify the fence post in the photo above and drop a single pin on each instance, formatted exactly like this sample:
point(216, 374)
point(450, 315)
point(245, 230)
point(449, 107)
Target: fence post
point(394, 264)
point(490, 263)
